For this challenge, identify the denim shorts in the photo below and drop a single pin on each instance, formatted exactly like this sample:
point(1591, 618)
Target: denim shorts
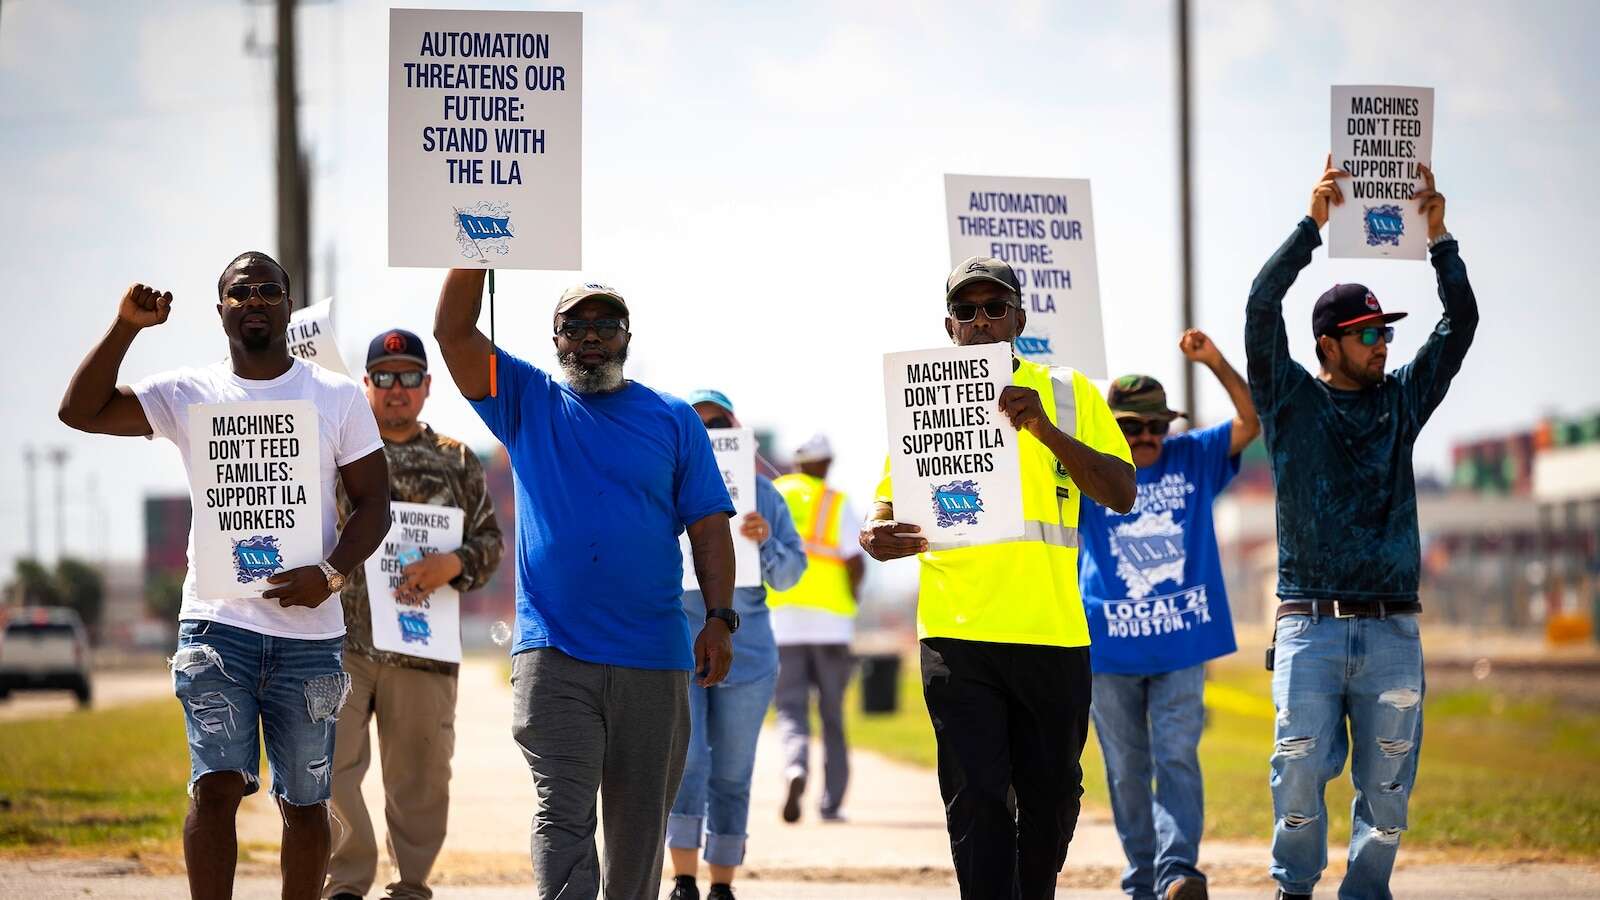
point(230, 679)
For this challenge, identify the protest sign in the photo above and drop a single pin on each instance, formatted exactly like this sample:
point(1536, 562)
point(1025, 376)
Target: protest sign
point(1381, 134)
point(1043, 227)
point(430, 626)
point(952, 453)
point(311, 337)
point(735, 449)
point(256, 488)
point(485, 138)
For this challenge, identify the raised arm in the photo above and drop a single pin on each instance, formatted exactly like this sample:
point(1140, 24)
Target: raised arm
point(1427, 377)
point(455, 326)
point(93, 401)
point(1198, 347)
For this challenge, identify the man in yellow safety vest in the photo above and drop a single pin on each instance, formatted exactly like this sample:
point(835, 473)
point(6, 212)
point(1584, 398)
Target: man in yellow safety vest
point(813, 623)
point(1005, 646)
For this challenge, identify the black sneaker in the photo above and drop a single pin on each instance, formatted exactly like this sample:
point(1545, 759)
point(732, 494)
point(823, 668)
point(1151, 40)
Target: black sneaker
point(684, 888)
point(1187, 889)
point(720, 892)
point(791, 802)
point(346, 896)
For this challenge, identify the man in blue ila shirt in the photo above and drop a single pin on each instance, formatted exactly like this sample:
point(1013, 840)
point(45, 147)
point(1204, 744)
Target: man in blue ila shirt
point(608, 474)
point(1348, 556)
point(1158, 609)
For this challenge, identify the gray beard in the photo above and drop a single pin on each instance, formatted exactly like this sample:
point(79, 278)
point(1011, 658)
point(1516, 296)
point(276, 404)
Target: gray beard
point(601, 379)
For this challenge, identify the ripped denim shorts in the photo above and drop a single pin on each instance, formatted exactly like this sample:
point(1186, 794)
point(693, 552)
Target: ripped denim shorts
point(229, 679)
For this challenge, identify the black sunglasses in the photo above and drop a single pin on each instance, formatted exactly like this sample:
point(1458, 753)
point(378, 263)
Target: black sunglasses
point(408, 379)
point(1136, 427)
point(719, 422)
point(270, 292)
point(1370, 335)
point(966, 312)
point(604, 329)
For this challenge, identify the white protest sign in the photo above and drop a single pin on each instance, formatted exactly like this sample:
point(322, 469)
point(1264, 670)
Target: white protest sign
point(311, 337)
point(485, 138)
point(1043, 227)
point(1381, 134)
point(953, 456)
point(255, 479)
point(429, 627)
point(736, 458)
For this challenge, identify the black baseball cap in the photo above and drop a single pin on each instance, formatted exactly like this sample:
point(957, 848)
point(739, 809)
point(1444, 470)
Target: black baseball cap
point(1347, 305)
point(396, 343)
point(981, 268)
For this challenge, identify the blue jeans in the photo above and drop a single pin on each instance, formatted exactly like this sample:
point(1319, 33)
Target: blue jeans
point(1149, 727)
point(1328, 669)
point(714, 796)
point(229, 679)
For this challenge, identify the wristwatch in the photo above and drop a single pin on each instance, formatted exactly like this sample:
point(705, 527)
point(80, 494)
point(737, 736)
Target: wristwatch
point(335, 580)
point(1443, 236)
point(729, 617)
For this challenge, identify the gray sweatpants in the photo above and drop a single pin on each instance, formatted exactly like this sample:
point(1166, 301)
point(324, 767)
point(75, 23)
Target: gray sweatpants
point(585, 728)
point(826, 667)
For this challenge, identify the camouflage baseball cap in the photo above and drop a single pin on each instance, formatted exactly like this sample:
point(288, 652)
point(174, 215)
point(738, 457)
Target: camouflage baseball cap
point(1139, 396)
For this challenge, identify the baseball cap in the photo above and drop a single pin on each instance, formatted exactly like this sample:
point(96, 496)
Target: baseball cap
point(1344, 305)
point(396, 343)
point(1139, 396)
point(981, 268)
point(815, 449)
point(576, 294)
point(707, 395)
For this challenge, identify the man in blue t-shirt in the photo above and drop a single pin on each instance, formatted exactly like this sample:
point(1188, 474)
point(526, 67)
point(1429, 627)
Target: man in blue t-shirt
point(608, 474)
point(1157, 608)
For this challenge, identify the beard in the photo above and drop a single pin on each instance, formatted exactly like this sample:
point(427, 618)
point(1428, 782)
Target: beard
point(1366, 377)
point(256, 341)
point(602, 378)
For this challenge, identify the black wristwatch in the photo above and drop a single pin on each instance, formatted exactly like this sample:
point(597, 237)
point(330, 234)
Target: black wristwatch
point(729, 617)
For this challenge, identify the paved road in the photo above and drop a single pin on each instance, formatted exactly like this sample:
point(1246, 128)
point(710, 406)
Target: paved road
point(112, 688)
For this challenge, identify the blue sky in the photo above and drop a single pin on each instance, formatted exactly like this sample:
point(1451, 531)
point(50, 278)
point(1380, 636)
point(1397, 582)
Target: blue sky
point(765, 185)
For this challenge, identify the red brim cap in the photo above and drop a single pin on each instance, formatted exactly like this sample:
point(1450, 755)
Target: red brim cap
point(1385, 318)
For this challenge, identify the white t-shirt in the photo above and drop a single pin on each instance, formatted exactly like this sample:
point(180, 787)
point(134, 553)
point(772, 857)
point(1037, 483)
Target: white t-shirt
point(804, 625)
point(348, 432)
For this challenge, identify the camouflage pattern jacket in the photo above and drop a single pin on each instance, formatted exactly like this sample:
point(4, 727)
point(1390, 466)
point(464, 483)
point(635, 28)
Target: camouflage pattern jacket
point(429, 468)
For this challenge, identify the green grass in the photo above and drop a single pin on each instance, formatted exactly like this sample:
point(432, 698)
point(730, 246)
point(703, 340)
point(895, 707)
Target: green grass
point(1499, 777)
point(99, 778)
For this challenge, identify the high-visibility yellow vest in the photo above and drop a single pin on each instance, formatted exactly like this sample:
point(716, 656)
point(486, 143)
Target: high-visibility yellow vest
point(1024, 590)
point(818, 513)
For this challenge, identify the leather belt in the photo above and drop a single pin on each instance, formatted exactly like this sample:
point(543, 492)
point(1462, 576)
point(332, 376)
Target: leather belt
point(1349, 609)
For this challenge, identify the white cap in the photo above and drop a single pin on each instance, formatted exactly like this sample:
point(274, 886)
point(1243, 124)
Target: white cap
point(815, 449)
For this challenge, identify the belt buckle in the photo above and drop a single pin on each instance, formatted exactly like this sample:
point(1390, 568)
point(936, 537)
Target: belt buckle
point(1341, 615)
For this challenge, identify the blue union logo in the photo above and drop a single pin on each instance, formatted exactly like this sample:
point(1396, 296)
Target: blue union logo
point(1383, 225)
point(956, 502)
point(256, 557)
point(414, 628)
point(483, 230)
point(1029, 345)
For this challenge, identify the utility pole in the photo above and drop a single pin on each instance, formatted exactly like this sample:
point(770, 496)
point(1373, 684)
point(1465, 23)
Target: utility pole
point(294, 189)
point(30, 460)
point(1185, 203)
point(58, 458)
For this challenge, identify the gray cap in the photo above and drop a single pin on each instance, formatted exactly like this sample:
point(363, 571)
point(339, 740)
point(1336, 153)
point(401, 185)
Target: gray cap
point(576, 294)
point(981, 268)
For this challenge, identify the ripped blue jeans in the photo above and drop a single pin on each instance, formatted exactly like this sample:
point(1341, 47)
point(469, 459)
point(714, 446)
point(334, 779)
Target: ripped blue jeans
point(1328, 670)
point(231, 679)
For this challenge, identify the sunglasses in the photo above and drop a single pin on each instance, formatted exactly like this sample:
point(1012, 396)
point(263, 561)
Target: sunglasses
point(719, 422)
point(1372, 334)
point(270, 292)
point(604, 329)
point(1136, 427)
point(408, 379)
point(967, 312)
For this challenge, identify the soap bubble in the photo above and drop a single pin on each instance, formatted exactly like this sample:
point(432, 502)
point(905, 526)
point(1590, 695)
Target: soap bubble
point(1481, 669)
point(500, 632)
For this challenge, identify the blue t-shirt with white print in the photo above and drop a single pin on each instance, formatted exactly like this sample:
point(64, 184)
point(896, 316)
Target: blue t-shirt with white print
point(1152, 580)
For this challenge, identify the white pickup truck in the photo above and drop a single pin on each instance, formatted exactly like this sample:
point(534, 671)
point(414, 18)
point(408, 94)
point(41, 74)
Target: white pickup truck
point(44, 649)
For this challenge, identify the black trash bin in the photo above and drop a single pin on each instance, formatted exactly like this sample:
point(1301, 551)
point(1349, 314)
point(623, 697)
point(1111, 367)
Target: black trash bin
point(880, 683)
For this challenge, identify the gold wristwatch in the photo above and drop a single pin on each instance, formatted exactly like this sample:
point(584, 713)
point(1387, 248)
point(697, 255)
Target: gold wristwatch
point(335, 580)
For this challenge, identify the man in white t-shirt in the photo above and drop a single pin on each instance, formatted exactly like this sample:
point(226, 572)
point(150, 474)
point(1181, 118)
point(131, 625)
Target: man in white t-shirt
point(260, 659)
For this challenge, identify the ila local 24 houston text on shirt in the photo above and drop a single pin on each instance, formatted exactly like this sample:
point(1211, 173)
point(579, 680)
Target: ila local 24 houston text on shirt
point(1152, 579)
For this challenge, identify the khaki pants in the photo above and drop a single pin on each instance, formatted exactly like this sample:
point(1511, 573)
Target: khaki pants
point(416, 713)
